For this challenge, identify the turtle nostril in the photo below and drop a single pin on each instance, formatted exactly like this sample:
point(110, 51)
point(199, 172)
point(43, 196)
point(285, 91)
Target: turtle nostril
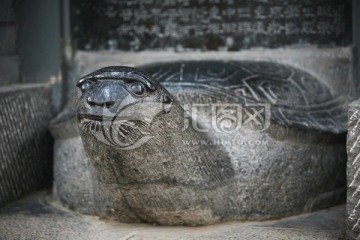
point(100, 103)
point(92, 104)
point(109, 104)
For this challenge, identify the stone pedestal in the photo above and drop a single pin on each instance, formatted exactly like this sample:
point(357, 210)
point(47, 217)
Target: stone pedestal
point(26, 144)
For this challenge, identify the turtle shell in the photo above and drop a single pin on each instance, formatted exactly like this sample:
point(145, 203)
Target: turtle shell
point(296, 97)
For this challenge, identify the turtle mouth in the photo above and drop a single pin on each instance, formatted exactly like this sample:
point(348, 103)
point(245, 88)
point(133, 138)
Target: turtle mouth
point(99, 124)
point(121, 133)
point(113, 120)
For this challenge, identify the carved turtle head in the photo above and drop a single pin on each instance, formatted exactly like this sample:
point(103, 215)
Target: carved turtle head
point(115, 104)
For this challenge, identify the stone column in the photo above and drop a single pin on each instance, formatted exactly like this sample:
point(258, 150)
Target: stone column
point(353, 171)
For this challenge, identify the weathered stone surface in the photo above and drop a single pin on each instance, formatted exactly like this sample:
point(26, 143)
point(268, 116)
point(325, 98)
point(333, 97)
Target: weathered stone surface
point(180, 177)
point(9, 67)
point(353, 167)
point(26, 144)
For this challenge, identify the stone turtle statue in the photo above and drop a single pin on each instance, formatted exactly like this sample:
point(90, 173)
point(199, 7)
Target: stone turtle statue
point(200, 142)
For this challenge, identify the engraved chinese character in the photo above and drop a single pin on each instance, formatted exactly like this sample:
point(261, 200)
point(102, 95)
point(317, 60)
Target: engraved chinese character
point(185, 3)
point(170, 29)
point(324, 27)
point(132, 2)
point(244, 27)
point(140, 30)
point(244, 12)
point(308, 12)
point(124, 29)
point(111, 12)
point(229, 27)
point(214, 28)
point(338, 26)
point(291, 28)
point(156, 13)
point(214, 13)
point(276, 12)
point(126, 14)
point(230, 12)
point(292, 11)
point(172, 13)
point(155, 29)
point(199, 14)
point(184, 30)
point(324, 11)
point(147, 2)
point(199, 30)
point(274, 28)
point(141, 14)
point(229, 2)
point(260, 12)
point(259, 27)
point(308, 27)
point(169, 2)
point(185, 14)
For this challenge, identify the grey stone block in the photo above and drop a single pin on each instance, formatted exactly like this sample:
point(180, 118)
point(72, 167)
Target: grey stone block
point(8, 40)
point(26, 145)
point(353, 169)
point(9, 69)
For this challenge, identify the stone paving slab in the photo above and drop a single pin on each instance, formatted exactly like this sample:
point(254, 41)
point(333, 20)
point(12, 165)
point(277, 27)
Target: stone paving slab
point(38, 217)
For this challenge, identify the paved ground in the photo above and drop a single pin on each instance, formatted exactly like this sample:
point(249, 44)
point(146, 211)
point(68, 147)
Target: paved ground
point(37, 217)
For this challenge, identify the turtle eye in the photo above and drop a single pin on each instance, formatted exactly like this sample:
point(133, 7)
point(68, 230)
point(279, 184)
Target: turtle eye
point(85, 85)
point(137, 88)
